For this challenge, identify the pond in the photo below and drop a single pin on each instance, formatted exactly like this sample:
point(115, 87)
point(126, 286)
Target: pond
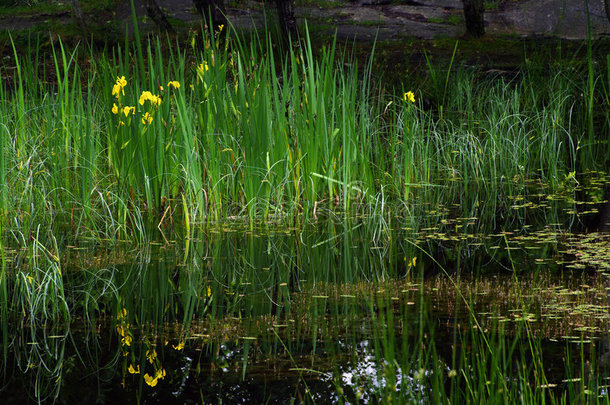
point(357, 310)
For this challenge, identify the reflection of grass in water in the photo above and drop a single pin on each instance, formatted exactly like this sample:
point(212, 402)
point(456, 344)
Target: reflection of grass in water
point(230, 292)
point(35, 318)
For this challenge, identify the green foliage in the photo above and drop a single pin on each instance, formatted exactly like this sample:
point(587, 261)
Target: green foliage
point(228, 128)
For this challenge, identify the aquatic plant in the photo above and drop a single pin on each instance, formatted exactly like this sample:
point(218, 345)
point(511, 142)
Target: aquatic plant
point(235, 130)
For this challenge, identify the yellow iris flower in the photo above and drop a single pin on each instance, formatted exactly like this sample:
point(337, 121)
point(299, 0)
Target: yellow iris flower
point(409, 96)
point(127, 110)
point(147, 119)
point(119, 86)
point(174, 83)
point(121, 81)
point(116, 89)
point(148, 96)
point(145, 96)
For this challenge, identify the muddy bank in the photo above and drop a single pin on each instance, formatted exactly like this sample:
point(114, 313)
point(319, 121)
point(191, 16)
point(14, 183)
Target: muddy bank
point(369, 19)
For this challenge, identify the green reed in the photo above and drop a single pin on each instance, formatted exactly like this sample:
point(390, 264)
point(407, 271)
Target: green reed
point(224, 127)
point(4, 303)
point(4, 140)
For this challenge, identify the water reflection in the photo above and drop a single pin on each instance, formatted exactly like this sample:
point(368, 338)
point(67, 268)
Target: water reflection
point(324, 314)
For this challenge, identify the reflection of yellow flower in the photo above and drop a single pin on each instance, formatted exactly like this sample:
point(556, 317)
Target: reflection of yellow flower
point(409, 96)
point(147, 119)
point(122, 330)
point(174, 83)
point(133, 370)
point(126, 341)
point(151, 355)
point(180, 346)
point(115, 109)
point(150, 380)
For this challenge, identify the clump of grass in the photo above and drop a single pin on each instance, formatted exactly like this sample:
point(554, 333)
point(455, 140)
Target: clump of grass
point(225, 128)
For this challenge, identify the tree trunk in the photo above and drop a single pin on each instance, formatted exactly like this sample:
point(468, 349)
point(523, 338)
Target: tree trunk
point(473, 14)
point(288, 22)
point(156, 14)
point(212, 10)
point(78, 15)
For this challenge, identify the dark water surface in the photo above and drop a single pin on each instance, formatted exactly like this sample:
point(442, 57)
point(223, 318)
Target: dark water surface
point(332, 312)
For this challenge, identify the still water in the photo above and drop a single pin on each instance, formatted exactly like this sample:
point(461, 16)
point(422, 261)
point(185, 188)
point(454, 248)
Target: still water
point(354, 311)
